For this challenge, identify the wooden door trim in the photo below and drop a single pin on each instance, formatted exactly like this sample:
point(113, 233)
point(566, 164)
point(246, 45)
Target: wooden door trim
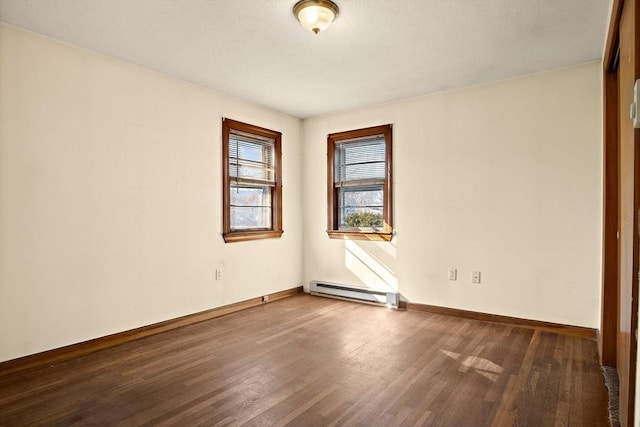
point(613, 36)
point(607, 339)
point(615, 303)
point(609, 311)
point(635, 251)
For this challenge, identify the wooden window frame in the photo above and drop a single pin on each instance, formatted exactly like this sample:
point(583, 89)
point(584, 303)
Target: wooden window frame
point(332, 190)
point(275, 231)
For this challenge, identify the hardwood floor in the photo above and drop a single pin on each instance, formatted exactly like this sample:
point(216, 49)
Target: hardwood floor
point(311, 361)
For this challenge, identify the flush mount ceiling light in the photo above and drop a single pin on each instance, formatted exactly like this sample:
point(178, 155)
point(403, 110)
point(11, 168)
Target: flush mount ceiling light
point(315, 15)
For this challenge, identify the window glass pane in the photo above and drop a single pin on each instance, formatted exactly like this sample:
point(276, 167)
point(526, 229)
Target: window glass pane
point(249, 151)
point(251, 217)
point(361, 207)
point(250, 196)
point(250, 207)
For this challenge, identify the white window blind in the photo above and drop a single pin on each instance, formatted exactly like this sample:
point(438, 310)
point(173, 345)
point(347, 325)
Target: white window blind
point(360, 161)
point(251, 158)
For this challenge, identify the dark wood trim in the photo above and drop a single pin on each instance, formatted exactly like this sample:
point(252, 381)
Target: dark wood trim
point(607, 340)
point(388, 182)
point(85, 347)
point(332, 196)
point(635, 278)
point(578, 331)
point(613, 36)
point(226, 191)
point(276, 192)
point(332, 190)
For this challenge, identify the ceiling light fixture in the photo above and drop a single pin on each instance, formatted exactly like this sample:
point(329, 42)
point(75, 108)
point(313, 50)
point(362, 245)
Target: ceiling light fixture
point(315, 15)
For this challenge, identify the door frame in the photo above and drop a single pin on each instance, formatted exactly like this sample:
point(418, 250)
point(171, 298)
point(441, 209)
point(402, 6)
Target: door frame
point(607, 342)
point(614, 302)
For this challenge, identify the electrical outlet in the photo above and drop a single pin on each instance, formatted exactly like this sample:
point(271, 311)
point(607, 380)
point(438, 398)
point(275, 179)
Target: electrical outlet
point(475, 277)
point(218, 274)
point(265, 298)
point(453, 274)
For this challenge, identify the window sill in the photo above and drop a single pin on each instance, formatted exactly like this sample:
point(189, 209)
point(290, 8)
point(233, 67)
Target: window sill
point(243, 236)
point(360, 235)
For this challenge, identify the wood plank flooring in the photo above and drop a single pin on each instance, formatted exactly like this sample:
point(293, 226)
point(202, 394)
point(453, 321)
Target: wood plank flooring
point(311, 361)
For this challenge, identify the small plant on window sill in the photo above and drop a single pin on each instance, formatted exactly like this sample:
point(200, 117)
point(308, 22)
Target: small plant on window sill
point(364, 219)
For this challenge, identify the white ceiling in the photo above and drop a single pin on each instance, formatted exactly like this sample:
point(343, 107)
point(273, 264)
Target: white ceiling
point(376, 51)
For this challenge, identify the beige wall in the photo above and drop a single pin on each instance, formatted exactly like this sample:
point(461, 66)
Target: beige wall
point(110, 198)
point(110, 194)
point(503, 178)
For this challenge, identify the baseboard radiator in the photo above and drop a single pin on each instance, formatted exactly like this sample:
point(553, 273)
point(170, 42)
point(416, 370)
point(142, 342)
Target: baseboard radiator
point(355, 293)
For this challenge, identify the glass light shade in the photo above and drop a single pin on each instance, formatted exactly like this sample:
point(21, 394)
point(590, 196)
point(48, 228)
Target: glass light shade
point(315, 15)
